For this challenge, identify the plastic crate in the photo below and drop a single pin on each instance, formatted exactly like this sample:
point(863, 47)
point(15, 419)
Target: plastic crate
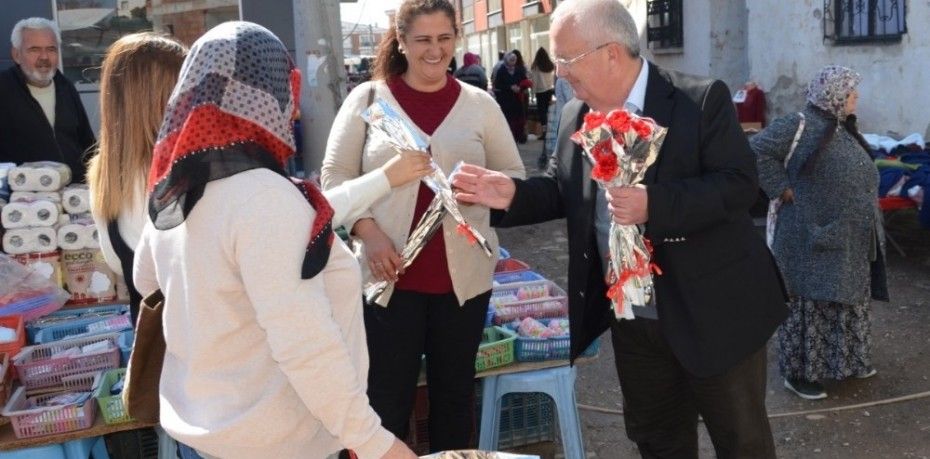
point(34, 422)
point(510, 265)
point(73, 316)
point(525, 418)
point(529, 349)
point(38, 368)
point(501, 279)
point(15, 322)
point(502, 253)
point(111, 406)
point(509, 306)
point(6, 377)
point(83, 327)
point(496, 348)
point(124, 342)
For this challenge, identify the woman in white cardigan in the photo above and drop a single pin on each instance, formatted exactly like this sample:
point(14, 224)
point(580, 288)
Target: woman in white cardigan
point(265, 348)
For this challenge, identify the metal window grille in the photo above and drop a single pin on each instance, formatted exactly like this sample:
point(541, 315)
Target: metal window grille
point(664, 24)
point(857, 21)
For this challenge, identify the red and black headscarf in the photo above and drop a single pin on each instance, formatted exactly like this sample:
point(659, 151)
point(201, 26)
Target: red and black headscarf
point(231, 111)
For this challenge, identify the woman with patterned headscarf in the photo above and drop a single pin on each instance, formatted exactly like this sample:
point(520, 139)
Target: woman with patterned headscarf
point(828, 239)
point(266, 353)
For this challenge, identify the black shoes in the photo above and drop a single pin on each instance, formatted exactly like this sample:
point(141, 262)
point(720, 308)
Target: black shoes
point(809, 390)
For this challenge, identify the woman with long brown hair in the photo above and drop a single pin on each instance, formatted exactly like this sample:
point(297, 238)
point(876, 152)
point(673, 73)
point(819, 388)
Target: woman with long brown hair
point(437, 305)
point(137, 77)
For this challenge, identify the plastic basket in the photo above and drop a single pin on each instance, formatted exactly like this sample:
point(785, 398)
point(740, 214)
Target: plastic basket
point(111, 406)
point(34, 422)
point(38, 369)
point(6, 377)
point(15, 322)
point(73, 316)
point(508, 303)
point(502, 253)
point(496, 348)
point(529, 349)
point(516, 277)
point(510, 265)
point(83, 327)
point(124, 342)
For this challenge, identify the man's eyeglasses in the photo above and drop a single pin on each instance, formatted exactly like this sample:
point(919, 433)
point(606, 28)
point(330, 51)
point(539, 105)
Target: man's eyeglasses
point(567, 63)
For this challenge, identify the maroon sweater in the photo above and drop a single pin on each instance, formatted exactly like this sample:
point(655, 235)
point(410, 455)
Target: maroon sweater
point(429, 272)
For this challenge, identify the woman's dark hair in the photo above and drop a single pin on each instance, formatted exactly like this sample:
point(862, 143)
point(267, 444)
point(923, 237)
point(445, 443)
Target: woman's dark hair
point(850, 124)
point(390, 62)
point(542, 62)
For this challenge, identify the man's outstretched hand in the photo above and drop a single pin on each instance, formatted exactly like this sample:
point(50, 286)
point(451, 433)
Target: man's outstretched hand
point(477, 185)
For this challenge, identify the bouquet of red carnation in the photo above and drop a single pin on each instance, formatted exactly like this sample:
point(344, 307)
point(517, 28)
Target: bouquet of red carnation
point(621, 146)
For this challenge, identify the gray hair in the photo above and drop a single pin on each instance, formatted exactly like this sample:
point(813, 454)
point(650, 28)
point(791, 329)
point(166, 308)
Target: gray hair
point(16, 38)
point(599, 22)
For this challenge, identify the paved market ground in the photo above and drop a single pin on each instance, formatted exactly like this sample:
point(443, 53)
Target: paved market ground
point(901, 341)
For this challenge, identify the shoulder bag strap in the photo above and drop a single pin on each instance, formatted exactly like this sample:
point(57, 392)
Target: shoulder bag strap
point(797, 137)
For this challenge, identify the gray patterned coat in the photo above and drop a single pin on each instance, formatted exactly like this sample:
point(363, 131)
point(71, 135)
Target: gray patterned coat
point(829, 244)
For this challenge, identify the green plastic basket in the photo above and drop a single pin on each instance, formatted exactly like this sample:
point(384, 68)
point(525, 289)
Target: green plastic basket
point(496, 348)
point(111, 406)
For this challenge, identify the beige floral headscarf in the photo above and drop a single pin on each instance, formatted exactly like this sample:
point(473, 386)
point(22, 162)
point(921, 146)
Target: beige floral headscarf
point(830, 88)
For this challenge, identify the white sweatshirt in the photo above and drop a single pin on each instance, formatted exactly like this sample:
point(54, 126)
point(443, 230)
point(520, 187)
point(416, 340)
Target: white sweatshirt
point(259, 362)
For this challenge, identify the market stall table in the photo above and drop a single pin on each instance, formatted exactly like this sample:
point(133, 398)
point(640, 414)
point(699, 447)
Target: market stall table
point(8, 440)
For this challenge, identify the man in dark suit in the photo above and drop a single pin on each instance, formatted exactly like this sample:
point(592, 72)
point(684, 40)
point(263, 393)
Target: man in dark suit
point(702, 350)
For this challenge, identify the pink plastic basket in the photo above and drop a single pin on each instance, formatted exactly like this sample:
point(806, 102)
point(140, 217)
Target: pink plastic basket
point(34, 422)
point(38, 367)
point(511, 303)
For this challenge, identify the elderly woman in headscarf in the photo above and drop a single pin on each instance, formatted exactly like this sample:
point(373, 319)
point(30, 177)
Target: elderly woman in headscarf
point(509, 83)
point(472, 72)
point(828, 236)
point(265, 342)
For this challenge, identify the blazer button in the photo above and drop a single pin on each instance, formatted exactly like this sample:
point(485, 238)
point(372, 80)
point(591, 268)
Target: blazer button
point(581, 294)
point(585, 255)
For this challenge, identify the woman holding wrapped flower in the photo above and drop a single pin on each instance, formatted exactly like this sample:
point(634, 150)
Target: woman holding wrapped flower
point(828, 237)
point(437, 305)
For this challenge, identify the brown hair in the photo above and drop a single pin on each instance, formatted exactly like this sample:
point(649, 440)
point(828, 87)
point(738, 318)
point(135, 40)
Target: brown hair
point(390, 62)
point(138, 74)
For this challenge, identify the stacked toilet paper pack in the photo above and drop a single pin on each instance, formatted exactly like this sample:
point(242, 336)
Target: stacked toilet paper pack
point(31, 217)
point(86, 274)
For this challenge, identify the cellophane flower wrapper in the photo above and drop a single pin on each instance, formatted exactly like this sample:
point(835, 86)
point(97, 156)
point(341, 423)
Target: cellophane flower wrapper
point(394, 127)
point(621, 146)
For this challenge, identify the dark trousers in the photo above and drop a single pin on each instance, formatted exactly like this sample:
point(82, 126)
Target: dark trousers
point(414, 324)
point(662, 401)
point(542, 106)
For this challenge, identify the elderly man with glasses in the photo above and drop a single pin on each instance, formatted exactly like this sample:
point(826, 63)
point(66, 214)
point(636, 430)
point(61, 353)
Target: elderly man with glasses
point(701, 349)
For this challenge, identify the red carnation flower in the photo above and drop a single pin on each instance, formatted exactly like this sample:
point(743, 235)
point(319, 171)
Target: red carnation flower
point(593, 120)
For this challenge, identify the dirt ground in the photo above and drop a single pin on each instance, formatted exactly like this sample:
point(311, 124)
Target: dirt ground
point(901, 354)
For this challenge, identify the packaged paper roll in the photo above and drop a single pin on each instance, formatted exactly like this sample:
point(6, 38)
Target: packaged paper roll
point(40, 176)
point(47, 264)
point(76, 199)
point(24, 214)
point(87, 276)
point(30, 240)
point(77, 236)
point(52, 196)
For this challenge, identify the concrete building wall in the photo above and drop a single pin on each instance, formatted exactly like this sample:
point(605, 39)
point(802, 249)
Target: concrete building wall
point(786, 48)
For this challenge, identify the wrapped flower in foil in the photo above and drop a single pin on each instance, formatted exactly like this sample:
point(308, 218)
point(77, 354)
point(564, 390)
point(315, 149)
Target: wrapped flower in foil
point(397, 130)
point(621, 146)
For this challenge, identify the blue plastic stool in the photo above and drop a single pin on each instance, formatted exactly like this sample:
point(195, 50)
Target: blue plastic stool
point(39, 452)
point(558, 383)
point(76, 449)
point(84, 448)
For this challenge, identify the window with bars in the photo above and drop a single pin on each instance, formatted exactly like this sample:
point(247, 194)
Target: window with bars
point(856, 21)
point(664, 24)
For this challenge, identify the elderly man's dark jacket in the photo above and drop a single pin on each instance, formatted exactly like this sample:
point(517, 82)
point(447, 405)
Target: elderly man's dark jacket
point(720, 296)
point(25, 133)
